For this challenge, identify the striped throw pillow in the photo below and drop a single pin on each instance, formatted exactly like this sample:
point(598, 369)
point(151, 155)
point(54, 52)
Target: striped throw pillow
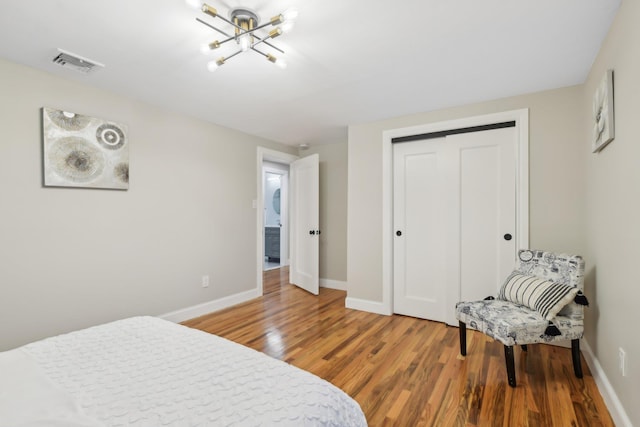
point(544, 296)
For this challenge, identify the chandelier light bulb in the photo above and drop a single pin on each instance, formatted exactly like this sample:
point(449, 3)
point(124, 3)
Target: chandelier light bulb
point(194, 4)
point(287, 26)
point(290, 14)
point(245, 42)
point(279, 62)
point(208, 47)
point(212, 66)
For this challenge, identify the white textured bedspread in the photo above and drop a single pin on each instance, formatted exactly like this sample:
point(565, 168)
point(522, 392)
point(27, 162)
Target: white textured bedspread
point(145, 371)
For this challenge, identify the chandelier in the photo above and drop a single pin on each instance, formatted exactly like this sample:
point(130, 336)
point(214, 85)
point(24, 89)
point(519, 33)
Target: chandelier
point(244, 28)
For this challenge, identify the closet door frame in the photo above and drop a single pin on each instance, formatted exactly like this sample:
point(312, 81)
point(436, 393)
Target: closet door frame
point(521, 118)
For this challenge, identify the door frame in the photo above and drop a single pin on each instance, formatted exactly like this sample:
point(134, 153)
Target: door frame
point(521, 118)
point(264, 154)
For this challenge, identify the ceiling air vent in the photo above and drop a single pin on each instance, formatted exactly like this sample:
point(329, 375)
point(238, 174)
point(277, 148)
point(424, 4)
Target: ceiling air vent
point(76, 62)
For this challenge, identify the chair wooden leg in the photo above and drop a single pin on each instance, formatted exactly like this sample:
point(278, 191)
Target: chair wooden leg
point(524, 347)
point(575, 354)
point(511, 367)
point(463, 338)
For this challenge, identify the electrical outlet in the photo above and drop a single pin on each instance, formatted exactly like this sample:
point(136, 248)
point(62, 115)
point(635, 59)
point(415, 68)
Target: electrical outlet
point(622, 361)
point(205, 281)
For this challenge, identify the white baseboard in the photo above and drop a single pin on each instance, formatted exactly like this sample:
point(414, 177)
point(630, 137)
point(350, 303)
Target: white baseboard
point(366, 305)
point(619, 415)
point(210, 306)
point(333, 284)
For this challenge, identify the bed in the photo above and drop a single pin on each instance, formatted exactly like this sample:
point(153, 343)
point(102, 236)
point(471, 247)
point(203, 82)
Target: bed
point(145, 371)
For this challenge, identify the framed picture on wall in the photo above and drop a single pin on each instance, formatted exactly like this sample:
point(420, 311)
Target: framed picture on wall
point(83, 151)
point(603, 117)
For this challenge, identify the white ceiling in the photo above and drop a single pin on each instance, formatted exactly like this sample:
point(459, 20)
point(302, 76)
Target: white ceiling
point(350, 61)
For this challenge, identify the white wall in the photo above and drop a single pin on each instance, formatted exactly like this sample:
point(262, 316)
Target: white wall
point(70, 258)
point(613, 212)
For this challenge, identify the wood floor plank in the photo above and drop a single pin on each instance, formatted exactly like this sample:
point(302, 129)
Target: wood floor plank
point(405, 371)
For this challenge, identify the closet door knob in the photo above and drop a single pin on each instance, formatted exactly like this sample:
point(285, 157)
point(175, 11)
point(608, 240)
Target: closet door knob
point(508, 237)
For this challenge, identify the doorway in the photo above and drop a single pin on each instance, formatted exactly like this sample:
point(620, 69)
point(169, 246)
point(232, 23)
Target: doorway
point(276, 215)
point(303, 219)
point(264, 155)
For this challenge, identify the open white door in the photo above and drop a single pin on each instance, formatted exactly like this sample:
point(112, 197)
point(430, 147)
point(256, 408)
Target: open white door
point(305, 225)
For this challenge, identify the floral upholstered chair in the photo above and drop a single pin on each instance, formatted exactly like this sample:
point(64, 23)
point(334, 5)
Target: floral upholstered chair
point(540, 302)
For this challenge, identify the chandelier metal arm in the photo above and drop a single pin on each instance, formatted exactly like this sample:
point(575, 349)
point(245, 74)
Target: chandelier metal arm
point(245, 31)
point(264, 40)
point(269, 57)
point(214, 28)
point(268, 44)
point(273, 21)
point(233, 54)
point(233, 37)
point(257, 51)
point(228, 21)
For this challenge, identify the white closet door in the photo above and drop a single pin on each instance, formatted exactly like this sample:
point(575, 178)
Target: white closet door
point(481, 247)
point(419, 212)
point(454, 203)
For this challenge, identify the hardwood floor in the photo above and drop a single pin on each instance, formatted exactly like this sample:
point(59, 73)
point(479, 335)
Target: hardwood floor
point(408, 372)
